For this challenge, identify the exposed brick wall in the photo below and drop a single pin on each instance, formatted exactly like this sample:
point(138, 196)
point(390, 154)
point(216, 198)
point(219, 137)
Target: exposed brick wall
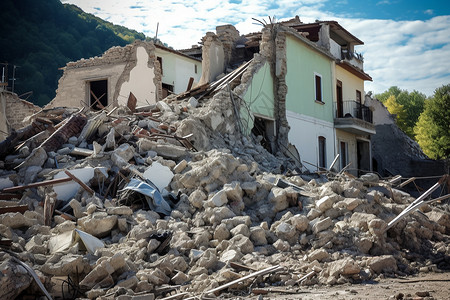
point(17, 110)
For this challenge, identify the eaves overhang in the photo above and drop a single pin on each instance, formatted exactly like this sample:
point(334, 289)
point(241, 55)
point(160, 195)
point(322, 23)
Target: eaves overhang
point(354, 70)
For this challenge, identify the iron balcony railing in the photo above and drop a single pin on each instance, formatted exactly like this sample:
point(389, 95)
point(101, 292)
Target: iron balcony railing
point(353, 109)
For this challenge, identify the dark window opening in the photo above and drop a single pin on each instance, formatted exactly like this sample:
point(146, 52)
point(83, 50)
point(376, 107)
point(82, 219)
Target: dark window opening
point(264, 129)
point(195, 69)
point(322, 152)
point(98, 94)
point(160, 64)
point(343, 154)
point(167, 89)
point(340, 100)
point(318, 87)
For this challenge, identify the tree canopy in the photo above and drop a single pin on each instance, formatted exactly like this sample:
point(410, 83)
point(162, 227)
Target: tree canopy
point(433, 128)
point(38, 37)
point(412, 105)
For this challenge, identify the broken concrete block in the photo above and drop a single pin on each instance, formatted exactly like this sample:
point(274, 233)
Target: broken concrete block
point(258, 236)
point(163, 106)
point(192, 102)
point(278, 198)
point(219, 199)
point(325, 203)
point(180, 167)
point(322, 225)
point(300, 222)
point(196, 198)
point(286, 232)
point(60, 265)
point(98, 224)
point(119, 210)
point(158, 277)
point(377, 227)
point(282, 246)
point(240, 229)
point(360, 220)
point(242, 243)
point(230, 256)
point(249, 187)
point(16, 220)
point(319, 255)
point(346, 266)
point(13, 280)
point(129, 283)
point(349, 203)
point(180, 278)
point(208, 260)
point(221, 233)
point(216, 215)
point(385, 263)
point(35, 245)
point(122, 155)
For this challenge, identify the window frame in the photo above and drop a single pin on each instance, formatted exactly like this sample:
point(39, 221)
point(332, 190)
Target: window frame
point(318, 91)
point(322, 152)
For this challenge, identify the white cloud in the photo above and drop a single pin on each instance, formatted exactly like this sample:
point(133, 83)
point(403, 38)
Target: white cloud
point(408, 54)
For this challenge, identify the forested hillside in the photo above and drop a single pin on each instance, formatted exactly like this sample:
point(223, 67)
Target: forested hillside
point(38, 37)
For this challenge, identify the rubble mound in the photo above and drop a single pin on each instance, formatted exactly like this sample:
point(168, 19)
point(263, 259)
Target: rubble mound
point(173, 199)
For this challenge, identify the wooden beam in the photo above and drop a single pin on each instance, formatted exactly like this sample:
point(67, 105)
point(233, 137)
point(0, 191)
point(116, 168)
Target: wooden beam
point(190, 83)
point(36, 184)
point(19, 208)
point(83, 185)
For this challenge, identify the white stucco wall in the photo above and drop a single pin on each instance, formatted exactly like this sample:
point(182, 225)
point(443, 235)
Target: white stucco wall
point(177, 70)
point(350, 139)
point(304, 135)
point(140, 82)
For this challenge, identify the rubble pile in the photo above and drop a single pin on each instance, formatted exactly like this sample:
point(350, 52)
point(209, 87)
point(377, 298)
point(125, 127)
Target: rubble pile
point(173, 199)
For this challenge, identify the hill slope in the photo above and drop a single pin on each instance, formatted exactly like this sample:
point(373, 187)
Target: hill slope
point(41, 36)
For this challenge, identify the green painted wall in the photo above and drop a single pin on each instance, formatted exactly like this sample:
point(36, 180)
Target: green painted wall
point(259, 96)
point(302, 64)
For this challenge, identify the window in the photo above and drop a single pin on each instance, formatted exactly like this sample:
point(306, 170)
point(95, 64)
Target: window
point(98, 94)
point(159, 58)
point(358, 96)
point(322, 152)
point(195, 69)
point(318, 87)
point(343, 154)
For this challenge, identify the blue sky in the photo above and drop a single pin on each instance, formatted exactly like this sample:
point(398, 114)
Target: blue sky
point(407, 43)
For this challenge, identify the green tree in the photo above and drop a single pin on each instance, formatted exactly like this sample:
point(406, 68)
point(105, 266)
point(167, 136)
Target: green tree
point(413, 105)
point(399, 111)
point(433, 128)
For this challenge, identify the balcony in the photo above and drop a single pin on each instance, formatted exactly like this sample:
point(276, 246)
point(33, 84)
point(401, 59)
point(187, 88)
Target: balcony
point(354, 117)
point(353, 58)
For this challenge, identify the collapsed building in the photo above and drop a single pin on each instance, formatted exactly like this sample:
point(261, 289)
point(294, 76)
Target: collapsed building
point(200, 192)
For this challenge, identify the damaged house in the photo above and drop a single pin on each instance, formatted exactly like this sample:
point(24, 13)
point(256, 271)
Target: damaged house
point(304, 88)
point(151, 71)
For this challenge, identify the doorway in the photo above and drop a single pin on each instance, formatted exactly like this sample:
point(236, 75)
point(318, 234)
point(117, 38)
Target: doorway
point(363, 156)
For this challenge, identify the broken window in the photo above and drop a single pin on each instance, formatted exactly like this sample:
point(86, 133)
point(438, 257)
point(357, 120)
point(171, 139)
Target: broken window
point(343, 153)
point(264, 128)
point(322, 152)
point(318, 87)
point(167, 89)
point(98, 94)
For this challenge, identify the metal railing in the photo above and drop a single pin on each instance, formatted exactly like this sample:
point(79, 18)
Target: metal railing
point(353, 109)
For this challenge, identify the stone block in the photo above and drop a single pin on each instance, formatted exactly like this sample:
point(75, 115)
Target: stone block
point(322, 225)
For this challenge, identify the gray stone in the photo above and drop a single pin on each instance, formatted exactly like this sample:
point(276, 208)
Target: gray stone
point(385, 263)
point(230, 256)
point(300, 222)
point(180, 166)
point(98, 224)
point(346, 266)
point(196, 198)
point(319, 255)
point(180, 278)
point(221, 233)
point(278, 198)
point(120, 210)
point(282, 246)
point(258, 236)
point(218, 200)
point(240, 229)
point(16, 220)
point(325, 203)
point(59, 265)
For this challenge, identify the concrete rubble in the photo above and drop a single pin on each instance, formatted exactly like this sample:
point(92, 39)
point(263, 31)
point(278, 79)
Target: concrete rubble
point(227, 207)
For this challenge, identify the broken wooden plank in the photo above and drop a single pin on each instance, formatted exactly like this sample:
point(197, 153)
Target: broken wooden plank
point(241, 267)
point(36, 184)
point(131, 103)
point(334, 161)
point(9, 196)
point(49, 208)
point(17, 208)
point(406, 182)
point(83, 185)
point(190, 83)
point(259, 273)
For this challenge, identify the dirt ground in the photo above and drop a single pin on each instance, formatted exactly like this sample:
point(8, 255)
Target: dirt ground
point(424, 286)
